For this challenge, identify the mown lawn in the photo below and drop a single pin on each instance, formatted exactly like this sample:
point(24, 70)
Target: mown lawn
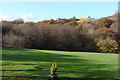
point(31, 64)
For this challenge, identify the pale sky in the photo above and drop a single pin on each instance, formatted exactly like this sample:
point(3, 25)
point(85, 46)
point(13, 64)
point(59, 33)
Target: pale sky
point(37, 11)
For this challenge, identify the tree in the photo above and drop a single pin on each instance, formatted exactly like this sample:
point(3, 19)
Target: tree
point(11, 40)
point(18, 21)
point(47, 22)
point(81, 25)
point(114, 27)
point(104, 22)
point(6, 27)
point(105, 32)
point(49, 36)
point(108, 45)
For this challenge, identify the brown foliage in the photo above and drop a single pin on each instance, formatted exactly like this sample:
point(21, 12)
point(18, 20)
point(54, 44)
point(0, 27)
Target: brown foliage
point(104, 22)
point(6, 27)
point(114, 27)
point(11, 40)
point(48, 36)
point(60, 34)
point(47, 22)
point(81, 25)
point(106, 32)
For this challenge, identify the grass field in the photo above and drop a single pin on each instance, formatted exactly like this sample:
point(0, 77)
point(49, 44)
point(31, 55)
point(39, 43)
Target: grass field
point(31, 64)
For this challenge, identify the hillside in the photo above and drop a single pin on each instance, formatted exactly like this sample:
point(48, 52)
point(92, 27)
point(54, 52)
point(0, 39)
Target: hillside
point(85, 19)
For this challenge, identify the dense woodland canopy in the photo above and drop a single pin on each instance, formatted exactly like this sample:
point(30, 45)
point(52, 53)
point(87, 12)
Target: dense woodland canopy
point(72, 34)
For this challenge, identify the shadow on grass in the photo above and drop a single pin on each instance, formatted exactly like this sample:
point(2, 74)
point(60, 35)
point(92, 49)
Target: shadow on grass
point(38, 56)
point(89, 71)
point(21, 70)
point(16, 49)
point(38, 78)
point(88, 74)
point(71, 65)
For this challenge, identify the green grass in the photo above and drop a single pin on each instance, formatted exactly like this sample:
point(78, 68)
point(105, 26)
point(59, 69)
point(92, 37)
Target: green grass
point(35, 64)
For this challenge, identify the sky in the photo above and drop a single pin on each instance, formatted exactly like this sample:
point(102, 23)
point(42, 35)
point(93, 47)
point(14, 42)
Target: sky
point(38, 11)
point(59, 0)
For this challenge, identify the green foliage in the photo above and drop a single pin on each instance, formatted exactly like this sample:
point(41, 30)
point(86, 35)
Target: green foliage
point(108, 45)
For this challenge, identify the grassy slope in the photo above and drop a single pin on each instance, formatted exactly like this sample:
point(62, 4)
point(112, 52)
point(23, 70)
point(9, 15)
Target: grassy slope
point(85, 19)
point(31, 62)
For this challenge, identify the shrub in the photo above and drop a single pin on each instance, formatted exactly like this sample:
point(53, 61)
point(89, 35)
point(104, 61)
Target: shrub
point(108, 45)
point(114, 27)
point(86, 27)
point(81, 25)
point(104, 22)
point(105, 32)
